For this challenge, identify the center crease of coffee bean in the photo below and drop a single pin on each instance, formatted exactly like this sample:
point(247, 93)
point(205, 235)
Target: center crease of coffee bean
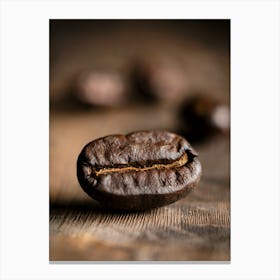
point(178, 163)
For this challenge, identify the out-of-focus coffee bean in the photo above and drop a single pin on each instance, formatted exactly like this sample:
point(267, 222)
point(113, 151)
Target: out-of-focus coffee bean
point(202, 117)
point(101, 88)
point(161, 80)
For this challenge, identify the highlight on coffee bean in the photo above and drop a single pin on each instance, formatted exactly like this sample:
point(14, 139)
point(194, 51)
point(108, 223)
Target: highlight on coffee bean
point(97, 87)
point(203, 117)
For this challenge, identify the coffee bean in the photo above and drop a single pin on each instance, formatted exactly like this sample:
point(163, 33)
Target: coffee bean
point(203, 117)
point(138, 171)
point(161, 80)
point(101, 88)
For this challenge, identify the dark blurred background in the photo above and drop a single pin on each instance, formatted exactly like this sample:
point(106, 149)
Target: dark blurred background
point(119, 76)
point(200, 47)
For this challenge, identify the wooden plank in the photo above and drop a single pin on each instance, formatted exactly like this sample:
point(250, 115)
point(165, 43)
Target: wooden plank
point(182, 229)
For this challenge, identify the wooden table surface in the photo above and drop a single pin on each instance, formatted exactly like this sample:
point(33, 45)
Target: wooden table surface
point(194, 228)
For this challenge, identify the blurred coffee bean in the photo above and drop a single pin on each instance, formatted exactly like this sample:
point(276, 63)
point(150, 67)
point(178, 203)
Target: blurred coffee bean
point(203, 117)
point(159, 79)
point(101, 88)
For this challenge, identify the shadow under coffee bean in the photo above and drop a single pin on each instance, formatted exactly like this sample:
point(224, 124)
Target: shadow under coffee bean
point(138, 171)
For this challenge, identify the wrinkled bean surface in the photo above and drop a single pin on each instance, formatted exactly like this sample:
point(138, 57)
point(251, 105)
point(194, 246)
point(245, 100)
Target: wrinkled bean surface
point(141, 170)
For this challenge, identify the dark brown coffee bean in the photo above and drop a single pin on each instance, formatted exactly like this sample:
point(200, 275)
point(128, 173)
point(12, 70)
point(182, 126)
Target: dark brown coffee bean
point(101, 88)
point(203, 117)
point(161, 80)
point(141, 170)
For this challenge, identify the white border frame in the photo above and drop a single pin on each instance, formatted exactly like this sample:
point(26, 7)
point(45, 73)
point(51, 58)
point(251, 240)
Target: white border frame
point(254, 144)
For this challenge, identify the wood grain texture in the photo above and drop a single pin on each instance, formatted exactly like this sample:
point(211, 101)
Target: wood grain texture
point(196, 228)
point(181, 230)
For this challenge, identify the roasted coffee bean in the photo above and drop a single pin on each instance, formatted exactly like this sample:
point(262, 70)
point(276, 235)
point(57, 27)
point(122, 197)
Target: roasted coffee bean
point(138, 171)
point(203, 117)
point(101, 88)
point(160, 80)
